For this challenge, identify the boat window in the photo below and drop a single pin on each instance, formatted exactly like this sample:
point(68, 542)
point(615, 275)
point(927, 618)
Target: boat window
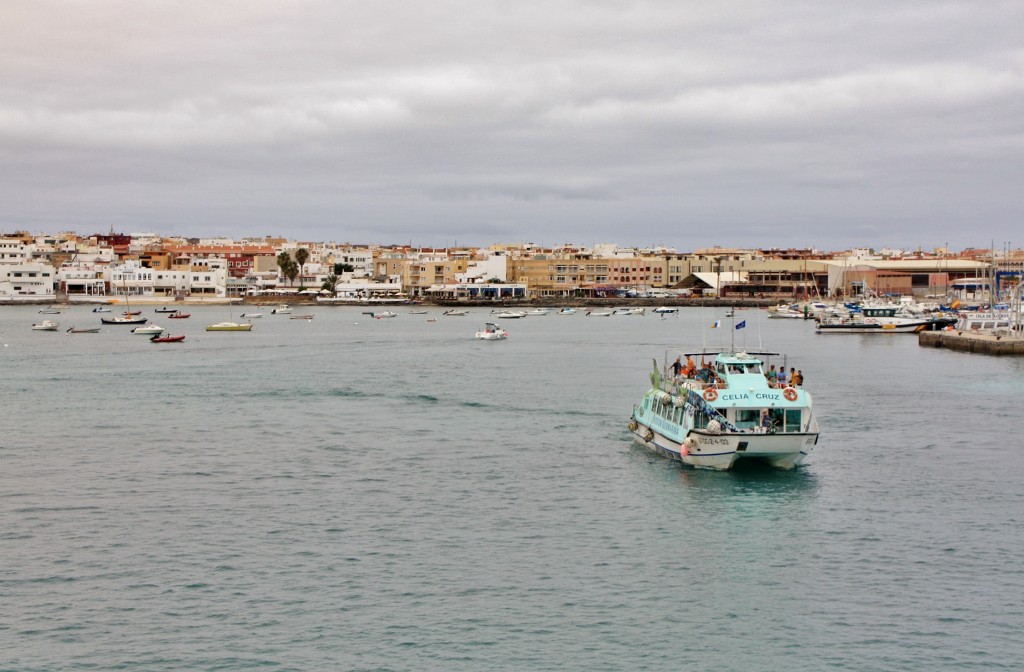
point(700, 420)
point(677, 417)
point(746, 418)
point(792, 420)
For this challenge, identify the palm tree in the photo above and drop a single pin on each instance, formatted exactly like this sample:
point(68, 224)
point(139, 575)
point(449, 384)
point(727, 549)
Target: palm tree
point(331, 284)
point(301, 257)
point(283, 261)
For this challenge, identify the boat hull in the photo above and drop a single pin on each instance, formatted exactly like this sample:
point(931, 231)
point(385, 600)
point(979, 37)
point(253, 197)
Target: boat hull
point(708, 450)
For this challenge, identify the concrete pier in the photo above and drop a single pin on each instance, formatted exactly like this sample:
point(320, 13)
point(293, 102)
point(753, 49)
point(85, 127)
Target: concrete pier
point(982, 342)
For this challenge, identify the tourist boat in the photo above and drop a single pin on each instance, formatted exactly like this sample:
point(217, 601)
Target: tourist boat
point(148, 330)
point(91, 330)
point(723, 412)
point(230, 326)
point(166, 310)
point(45, 325)
point(179, 316)
point(882, 320)
point(455, 312)
point(492, 332)
point(282, 310)
point(178, 338)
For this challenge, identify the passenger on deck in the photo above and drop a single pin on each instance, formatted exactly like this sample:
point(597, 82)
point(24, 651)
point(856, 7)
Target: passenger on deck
point(773, 377)
point(798, 379)
point(782, 376)
point(677, 367)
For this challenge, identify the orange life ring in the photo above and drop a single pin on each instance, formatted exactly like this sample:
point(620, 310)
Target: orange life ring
point(789, 393)
point(710, 394)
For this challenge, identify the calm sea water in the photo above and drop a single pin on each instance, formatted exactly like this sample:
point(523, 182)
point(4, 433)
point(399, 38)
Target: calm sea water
point(360, 494)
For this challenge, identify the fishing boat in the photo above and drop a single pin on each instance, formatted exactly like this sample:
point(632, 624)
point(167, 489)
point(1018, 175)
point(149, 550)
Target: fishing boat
point(882, 320)
point(491, 332)
point(45, 325)
point(178, 338)
point(148, 330)
point(230, 326)
point(724, 411)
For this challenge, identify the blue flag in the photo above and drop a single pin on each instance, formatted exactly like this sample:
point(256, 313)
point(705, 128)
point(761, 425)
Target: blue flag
point(741, 324)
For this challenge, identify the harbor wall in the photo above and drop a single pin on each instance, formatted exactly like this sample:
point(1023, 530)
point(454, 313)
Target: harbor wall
point(985, 343)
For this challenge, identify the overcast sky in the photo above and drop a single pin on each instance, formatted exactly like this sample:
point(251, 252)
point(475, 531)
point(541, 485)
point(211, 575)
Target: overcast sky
point(441, 122)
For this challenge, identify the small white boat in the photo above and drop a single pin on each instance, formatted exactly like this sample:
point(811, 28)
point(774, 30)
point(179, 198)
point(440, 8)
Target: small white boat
point(46, 325)
point(599, 313)
point(536, 312)
point(665, 310)
point(282, 310)
point(418, 312)
point(492, 332)
point(380, 315)
point(50, 310)
point(101, 309)
point(567, 311)
point(229, 326)
point(251, 315)
point(89, 330)
point(455, 312)
point(511, 314)
point(148, 330)
point(630, 311)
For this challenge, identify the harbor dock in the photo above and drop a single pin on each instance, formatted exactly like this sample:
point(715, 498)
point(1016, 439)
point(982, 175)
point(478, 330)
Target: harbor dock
point(981, 342)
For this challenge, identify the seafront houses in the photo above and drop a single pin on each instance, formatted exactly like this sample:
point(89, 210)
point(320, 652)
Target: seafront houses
point(21, 277)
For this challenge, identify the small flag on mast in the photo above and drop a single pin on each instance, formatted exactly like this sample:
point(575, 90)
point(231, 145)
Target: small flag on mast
point(716, 324)
point(741, 324)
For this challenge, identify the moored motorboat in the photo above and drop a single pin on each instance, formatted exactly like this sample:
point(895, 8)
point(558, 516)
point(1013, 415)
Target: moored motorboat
point(101, 309)
point(665, 310)
point(455, 312)
point(302, 317)
point(282, 310)
point(148, 330)
point(230, 326)
point(49, 310)
point(165, 309)
point(537, 312)
point(511, 314)
point(91, 330)
point(567, 311)
point(381, 315)
point(179, 316)
point(45, 325)
point(177, 338)
point(599, 313)
point(251, 315)
point(725, 411)
point(492, 332)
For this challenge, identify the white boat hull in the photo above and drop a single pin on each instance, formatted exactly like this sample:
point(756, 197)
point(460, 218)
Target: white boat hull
point(722, 451)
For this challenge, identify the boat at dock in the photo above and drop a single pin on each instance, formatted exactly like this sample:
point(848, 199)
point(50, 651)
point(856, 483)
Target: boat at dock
point(882, 320)
point(724, 411)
